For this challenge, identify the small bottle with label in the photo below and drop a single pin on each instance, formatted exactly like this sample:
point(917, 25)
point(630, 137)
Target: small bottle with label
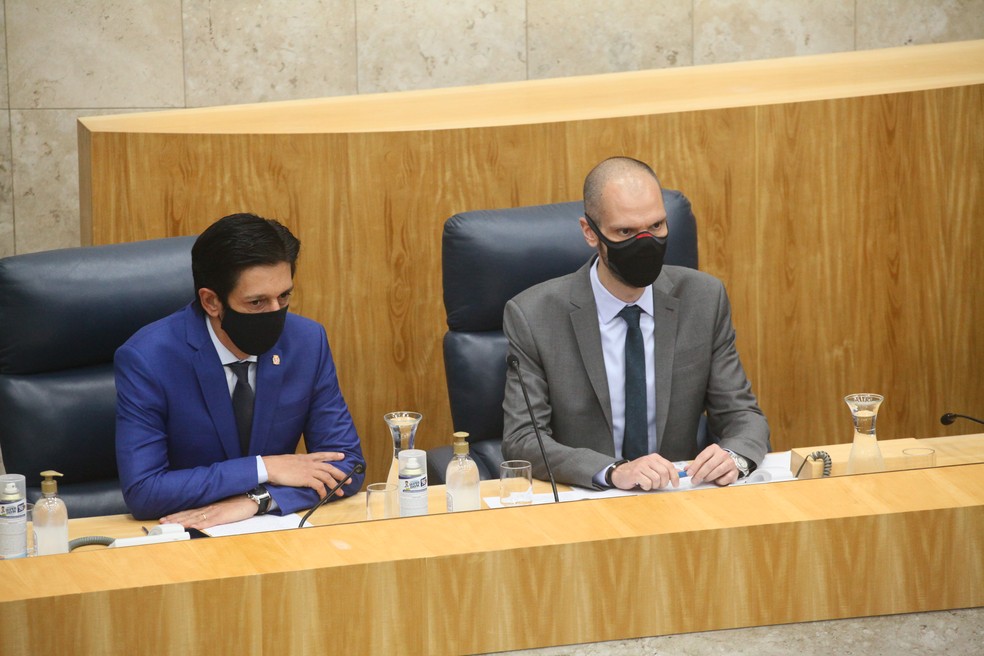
point(50, 518)
point(413, 482)
point(13, 516)
point(462, 478)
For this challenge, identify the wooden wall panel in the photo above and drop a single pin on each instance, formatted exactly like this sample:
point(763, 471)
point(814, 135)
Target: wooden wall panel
point(845, 229)
point(865, 270)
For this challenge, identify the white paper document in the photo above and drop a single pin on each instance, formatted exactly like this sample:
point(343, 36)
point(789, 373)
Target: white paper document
point(774, 468)
point(256, 524)
point(548, 497)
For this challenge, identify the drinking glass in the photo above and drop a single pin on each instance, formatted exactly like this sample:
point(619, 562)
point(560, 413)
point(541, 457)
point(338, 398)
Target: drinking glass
point(381, 501)
point(919, 458)
point(516, 483)
point(31, 550)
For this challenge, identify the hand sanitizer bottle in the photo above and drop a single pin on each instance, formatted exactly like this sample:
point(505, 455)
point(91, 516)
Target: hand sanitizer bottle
point(50, 518)
point(462, 478)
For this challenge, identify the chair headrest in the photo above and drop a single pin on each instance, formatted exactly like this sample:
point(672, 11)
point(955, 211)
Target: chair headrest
point(489, 256)
point(74, 307)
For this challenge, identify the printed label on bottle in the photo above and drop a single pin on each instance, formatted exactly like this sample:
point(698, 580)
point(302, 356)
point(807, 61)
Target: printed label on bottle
point(13, 529)
point(413, 495)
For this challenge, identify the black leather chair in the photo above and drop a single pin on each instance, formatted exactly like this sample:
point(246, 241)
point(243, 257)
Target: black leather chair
point(63, 314)
point(489, 256)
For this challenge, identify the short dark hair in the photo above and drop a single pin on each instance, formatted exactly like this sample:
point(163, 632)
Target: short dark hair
point(235, 243)
point(595, 181)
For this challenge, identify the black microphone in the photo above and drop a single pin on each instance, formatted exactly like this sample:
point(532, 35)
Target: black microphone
point(359, 468)
point(514, 363)
point(951, 417)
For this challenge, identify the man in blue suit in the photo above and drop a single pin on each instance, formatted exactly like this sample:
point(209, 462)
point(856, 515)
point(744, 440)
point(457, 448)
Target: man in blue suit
point(213, 399)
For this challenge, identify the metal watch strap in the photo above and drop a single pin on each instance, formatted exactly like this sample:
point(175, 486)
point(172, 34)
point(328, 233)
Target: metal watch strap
point(611, 470)
point(261, 496)
point(738, 459)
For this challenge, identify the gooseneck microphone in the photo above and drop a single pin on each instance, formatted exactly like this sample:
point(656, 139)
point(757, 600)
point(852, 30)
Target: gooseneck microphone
point(358, 470)
point(951, 417)
point(514, 363)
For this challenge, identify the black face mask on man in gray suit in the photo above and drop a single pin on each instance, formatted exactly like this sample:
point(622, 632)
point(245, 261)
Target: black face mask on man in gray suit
point(637, 260)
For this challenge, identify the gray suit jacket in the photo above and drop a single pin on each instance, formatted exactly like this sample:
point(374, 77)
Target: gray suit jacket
point(553, 329)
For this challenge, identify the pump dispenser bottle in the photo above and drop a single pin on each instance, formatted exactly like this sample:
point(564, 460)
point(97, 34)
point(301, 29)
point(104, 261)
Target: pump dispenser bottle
point(50, 518)
point(462, 478)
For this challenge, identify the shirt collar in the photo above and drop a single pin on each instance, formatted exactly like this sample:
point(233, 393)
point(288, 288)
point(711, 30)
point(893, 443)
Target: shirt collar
point(608, 305)
point(225, 355)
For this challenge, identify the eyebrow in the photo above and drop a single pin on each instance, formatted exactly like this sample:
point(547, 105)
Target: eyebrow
point(260, 297)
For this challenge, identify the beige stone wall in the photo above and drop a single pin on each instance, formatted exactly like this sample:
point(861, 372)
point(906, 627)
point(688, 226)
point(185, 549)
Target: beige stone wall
point(61, 59)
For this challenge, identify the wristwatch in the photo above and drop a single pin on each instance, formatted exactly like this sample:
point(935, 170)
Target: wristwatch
point(742, 463)
point(262, 498)
point(611, 470)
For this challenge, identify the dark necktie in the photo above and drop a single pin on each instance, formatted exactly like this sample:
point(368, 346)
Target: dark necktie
point(242, 403)
point(635, 440)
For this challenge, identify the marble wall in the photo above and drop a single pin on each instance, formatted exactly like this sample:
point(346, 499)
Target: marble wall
point(62, 59)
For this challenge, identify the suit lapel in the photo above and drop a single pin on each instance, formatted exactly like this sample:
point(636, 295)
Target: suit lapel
point(213, 384)
point(665, 308)
point(584, 319)
point(270, 368)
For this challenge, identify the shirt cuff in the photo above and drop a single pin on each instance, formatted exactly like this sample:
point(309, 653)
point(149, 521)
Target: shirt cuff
point(261, 472)
point(599, 478)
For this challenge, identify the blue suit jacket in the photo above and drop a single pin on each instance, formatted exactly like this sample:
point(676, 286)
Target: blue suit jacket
point(177, 446)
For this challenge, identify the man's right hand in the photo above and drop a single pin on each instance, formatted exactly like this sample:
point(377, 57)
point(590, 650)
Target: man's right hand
point(650, 472)
point(306, 470)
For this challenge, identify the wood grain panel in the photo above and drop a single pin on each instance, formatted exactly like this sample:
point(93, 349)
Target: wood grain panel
point(873, 288)
point(552, 574)
point(845, 229)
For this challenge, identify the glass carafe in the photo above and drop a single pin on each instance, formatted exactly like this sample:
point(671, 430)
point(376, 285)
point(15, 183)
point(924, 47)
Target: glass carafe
point(403, 429)
point(865, 455)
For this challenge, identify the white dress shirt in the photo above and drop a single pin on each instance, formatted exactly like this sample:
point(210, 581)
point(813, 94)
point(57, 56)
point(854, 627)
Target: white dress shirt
point(613, 329)
point(227, 357)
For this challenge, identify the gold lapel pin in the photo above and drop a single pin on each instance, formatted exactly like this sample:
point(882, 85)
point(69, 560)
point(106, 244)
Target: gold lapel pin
point(276, 359)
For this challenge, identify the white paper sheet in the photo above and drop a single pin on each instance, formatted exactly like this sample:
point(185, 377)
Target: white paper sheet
point(774, 468)
point(256, 524)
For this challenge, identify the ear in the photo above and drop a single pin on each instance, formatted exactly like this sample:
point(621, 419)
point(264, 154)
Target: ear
point(210, 302)
point(589, 235)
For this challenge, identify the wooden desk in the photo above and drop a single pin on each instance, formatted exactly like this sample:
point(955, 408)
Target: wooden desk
point(951, 450)
point(522, 577)
point(342, 511)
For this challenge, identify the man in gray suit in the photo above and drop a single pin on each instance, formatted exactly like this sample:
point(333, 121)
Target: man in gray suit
point(622, 357)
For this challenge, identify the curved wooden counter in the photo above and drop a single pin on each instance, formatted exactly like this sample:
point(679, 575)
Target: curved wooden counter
point(514, 578)
point(839, 197)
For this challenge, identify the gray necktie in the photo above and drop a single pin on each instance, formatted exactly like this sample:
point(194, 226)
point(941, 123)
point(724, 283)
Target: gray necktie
point(635, 441)
point(242, 403)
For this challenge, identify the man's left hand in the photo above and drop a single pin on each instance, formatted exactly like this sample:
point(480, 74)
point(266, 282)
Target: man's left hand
point(713, 465)
point(229, 510)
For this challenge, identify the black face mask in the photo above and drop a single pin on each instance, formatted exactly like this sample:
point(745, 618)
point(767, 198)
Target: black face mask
point(636, 261)
point(254, 334)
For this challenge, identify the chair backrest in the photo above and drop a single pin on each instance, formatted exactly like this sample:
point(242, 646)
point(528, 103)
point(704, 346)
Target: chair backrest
point(63, 315)
point(489, 256)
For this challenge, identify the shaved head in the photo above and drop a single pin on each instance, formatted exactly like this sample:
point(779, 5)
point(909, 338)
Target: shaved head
point(613, 168)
